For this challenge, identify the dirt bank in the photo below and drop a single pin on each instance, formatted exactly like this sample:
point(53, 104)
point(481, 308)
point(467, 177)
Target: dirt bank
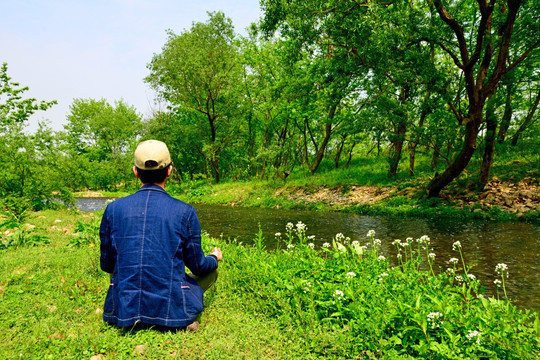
point(511, 197)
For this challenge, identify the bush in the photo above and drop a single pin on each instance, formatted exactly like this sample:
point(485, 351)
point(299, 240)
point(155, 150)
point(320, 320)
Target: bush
point(346, 301)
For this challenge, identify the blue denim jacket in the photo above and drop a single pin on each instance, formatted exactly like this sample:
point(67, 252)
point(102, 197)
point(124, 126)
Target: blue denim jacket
point(147, 239)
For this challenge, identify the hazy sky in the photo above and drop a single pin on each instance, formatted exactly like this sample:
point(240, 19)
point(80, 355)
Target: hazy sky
point(66, 49)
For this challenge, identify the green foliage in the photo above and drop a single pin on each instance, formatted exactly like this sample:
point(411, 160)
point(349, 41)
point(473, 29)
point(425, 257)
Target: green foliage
point(86, 234)
point(349, 292)
point(15, 231)
point(98, 143)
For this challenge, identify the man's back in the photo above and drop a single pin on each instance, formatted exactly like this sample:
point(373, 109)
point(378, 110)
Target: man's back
point(147, 238)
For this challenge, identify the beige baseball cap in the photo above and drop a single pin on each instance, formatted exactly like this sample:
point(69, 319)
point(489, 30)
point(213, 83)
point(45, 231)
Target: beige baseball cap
point(152, 155)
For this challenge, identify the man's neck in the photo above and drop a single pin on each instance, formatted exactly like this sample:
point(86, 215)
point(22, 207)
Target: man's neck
point(161, 185)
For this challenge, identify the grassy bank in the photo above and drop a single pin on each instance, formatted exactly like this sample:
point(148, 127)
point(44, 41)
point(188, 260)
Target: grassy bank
point(339, 302)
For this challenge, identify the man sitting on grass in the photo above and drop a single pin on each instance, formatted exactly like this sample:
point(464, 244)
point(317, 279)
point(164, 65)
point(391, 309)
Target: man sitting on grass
point(147, 240)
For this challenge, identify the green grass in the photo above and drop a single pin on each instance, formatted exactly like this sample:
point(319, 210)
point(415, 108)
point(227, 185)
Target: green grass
point(284, 304)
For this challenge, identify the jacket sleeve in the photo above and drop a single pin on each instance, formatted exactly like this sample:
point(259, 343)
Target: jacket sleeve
point(194, 257)
point(107, 252)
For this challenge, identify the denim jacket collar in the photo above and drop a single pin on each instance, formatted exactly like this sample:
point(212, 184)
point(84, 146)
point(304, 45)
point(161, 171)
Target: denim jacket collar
point(152, 187)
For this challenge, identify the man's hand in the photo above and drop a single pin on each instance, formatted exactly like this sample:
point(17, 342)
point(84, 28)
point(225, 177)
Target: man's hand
point(217, 253)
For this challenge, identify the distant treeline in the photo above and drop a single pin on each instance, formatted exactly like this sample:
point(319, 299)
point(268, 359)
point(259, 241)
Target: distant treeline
point(312, 82)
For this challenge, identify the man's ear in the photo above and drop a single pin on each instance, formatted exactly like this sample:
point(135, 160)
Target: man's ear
point(169, 171)
point(135, 172)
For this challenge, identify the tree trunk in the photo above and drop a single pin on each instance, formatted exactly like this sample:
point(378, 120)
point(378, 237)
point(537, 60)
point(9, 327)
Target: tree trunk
point(351, 153)
point(507, 116)
point(327, 134)
point(414, 144)
point(397, 148)
point(320, 152)
point(528, 121)
point(436, 155)
point(462, 160)
point(339, 150)
point(491, 130)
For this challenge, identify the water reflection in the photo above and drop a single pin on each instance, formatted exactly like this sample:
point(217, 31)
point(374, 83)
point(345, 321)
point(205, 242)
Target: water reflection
point(485, 244)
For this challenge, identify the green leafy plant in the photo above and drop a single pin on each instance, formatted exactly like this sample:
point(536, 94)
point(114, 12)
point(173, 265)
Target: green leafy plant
point(15, 231)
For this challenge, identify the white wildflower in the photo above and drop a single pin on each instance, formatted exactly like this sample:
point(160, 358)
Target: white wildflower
point(338, 294)
point(434, 319)
point(289, 226)
point(474, 336)
point(382, 276)
point(311, 237)
point(371, 233)
point(450, 271)
point(459, 279)
point(432, 256)
point(500, 268)
point(350, 275)
point(278, 234)
point(290, 246)
point(497, 282)
point(311, 245)
point(326, 245)
point(424, 239)
point(340, 237)
point(381, 258)
point(396, 242)
point(399, 256)
point(453, 261)
point(471, 276)
point(377, 242)
point(355, 243)
point(300, 226)
point(456, 246)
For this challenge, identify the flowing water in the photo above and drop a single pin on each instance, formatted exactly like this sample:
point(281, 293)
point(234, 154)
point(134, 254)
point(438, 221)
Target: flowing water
point(485, 244)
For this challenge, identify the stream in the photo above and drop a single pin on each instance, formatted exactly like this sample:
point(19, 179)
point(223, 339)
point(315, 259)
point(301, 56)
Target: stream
point(485, 244)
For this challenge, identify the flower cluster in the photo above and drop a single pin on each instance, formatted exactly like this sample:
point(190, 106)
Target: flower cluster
point(434, 319)
point(502, 269)
point(456, 246)
point(301, 227)
point(424, 240)
point(338, 295)
point(350, 275)
point(474, 335)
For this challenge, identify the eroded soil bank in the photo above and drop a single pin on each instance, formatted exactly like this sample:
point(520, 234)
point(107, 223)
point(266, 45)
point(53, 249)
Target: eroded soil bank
point(517, 198)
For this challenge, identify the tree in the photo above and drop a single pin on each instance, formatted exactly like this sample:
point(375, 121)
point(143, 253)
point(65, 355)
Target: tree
point(483, 52)
point(99, 139)
point(24, 173)
point(195, 72)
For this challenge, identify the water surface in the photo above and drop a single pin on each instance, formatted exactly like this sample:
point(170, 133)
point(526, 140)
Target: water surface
point(485, 244)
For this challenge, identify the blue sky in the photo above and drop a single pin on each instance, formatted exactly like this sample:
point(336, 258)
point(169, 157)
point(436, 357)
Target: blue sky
point(66, 49)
